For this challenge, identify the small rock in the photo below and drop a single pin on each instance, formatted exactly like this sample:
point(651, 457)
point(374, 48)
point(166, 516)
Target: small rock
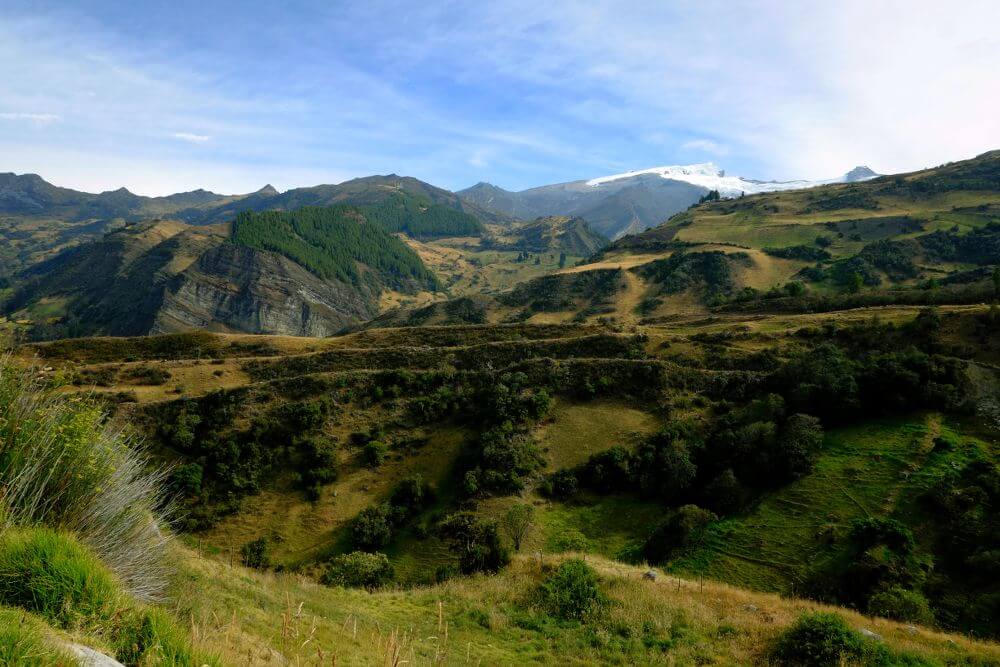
point(750, 607)
point(912, 629)
point(865, 632)
point(88, 657)
point(649, 575)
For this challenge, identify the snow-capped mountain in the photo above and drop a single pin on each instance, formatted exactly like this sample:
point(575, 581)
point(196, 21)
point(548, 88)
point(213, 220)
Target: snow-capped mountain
point(631, 202)
point(708, 175)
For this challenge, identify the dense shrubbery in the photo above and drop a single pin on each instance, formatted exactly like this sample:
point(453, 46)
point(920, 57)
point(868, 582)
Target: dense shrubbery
point(476, 542)
point(573, 591)
point(964, 524)
point(710, 270)
point(256, 553)
point(759, 443)
point(375, 526)
point(823, 639)
point(806, 253)
point(359, 569)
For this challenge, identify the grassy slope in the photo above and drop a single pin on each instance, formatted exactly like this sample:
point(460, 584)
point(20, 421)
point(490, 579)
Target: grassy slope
point(876, 469)
point(257, 619)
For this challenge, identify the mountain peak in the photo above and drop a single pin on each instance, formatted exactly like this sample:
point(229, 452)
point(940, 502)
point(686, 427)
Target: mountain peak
point(860, 173)
point(268, 191)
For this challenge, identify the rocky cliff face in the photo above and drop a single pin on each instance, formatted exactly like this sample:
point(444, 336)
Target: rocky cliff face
point(167, 276)
point(241, 289)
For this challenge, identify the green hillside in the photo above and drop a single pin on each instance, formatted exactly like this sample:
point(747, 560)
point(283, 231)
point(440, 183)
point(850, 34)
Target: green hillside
point(331, 242)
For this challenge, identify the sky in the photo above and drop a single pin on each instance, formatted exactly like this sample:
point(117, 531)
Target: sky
point(228, 96)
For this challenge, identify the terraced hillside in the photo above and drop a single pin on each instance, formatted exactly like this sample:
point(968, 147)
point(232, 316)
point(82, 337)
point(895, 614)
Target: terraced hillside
point(314, 448)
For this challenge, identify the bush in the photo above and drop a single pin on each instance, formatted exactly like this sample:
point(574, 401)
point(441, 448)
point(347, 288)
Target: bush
point(902, 605)
point(573, 591)
point(561, 484)
point(569, 539)
point(52, 575)
point(62, 463)
point(373, 527)
point(256, 553)
point(477, 543)
point(359, 570)
point(821, 639)
point(374, 453)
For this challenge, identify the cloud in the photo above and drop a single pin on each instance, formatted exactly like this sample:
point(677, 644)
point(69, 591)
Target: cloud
point(705, 146)
point(191, 138)
point(36, 118)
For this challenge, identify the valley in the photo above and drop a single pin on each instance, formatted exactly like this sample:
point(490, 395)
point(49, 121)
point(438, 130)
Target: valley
point(771, 403)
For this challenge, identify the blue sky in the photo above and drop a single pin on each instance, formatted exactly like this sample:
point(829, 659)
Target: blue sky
point(163, 97)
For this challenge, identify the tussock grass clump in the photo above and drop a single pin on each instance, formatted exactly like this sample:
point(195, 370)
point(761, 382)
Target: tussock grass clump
point(23, 642)
point(62, 464)
point(52, 575)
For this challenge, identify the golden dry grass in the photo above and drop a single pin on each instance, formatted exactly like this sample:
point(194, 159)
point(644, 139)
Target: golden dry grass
point(256, 618)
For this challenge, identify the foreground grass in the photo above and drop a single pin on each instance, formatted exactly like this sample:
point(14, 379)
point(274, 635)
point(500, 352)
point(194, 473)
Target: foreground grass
point(258, 619)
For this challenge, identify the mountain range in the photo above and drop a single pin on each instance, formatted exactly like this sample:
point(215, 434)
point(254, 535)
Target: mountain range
point(630, 202)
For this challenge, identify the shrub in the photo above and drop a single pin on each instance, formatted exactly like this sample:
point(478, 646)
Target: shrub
point(373, 527)
point(256, 553)
point(359, 570)
point(52, 575)
point(374, 453)
point(561, 484)
point(819, 640)
point(477, 543)
point(573, 591)
point(62, 463)
point(570, 539)
point(903, 605)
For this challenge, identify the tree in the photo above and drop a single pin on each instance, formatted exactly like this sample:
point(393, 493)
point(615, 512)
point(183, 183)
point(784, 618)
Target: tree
point(562, 260)
point(516, 523)
point(477, 543)
point(682, 528)
point(996, 282)
point(855, 282)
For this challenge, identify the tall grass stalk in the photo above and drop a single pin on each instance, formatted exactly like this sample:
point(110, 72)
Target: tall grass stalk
point(63, 464)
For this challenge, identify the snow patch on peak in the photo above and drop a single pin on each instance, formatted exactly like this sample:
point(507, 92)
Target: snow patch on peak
point(708, 175)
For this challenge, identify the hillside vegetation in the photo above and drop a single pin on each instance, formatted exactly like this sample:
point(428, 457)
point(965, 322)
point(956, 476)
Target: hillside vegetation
point(331, 242)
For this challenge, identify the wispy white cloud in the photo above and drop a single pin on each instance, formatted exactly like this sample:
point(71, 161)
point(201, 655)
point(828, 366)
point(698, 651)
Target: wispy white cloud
point(191, 138)
point(35, 118)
